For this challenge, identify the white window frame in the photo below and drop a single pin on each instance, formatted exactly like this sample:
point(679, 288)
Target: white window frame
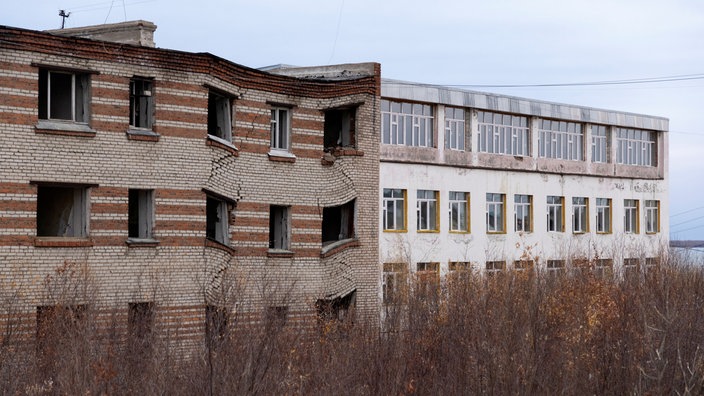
point(503, 134)
point(600, 144)
point(459, 211)
point(603, 215)
point(222, 106)
point(78, 97)
point(394, 209)
point(408, 124)
point(280, 129)
point(555, 213)
point(522, 210)
point(580, 215)
point(495, 204)
point(141, 103)
point(635, 147)
point(652, 216)
point(630, 216)
point(555, 267)
point(427, 210)
point(494, 267)
point(454, 128)
point(220, 223)
point(141, 212)
point(561, 140)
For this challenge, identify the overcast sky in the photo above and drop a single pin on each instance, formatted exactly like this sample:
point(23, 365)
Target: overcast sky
point(458, 42)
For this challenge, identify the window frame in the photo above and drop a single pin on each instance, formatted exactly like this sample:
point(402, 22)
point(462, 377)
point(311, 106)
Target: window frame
point(427, 207)
point(219, 230)
point(493, 267)
point(280, 228)
point(556, 141)
point(222, 105)
point(652, 215)
point(77, 221)
point(631, 216)
point(143, 210)
point(395, 200)
point(604, 213)
point(280, 138)
point(138, 105)
point(455, 128)
point(636, 147)
point(580, 210)
point(401, 120)
point(600, 144)
point(498, 201)
point(79, 97)
point(526, 209)
point(394, 282)
point(503, 134)
point(555, 210)
point(456, 207)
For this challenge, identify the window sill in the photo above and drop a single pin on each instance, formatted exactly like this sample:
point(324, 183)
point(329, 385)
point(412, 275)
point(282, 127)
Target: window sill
point(496, 232)
point(281, 156)
point(64, 128)
point(396, 231)
point(338, 246)
point(580, 232)
point(459, 232)
point(346, 151)
point(142, 135)
point(214, 141)
point(142, 242)
point(62, 242)
point(211, 243)
point(279, 253)
point(428, 231)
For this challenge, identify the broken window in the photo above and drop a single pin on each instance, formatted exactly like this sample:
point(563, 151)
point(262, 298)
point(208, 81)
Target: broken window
point(603, 215)
point(140, 325)
point(630, 216)
point(339, 128)
point(217, 226)
point(556, 213)
point(141, 214)
point(580, 214)
point(62, 211)
point(427, 210)
point(340, 309)
point(63, 95)
point(216, 324)
point(503, 134)
point(495, 206)
point(280, 129)
point(338, 222)
point(141, 103)
point(279, 229)
point(459, 211)
point(220, 116)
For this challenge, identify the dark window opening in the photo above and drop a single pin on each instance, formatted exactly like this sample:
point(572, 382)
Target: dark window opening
point(141, 103)
point(276, 317)
point(62, 211)
point(220, 116)
point(216, 324)
point(279, 227)
point(340, 309)
point(217, 227)
point(63, 96)
point(338, 223)
point(59, 327)
point(339, 128)
point(140, 214)
point(140, 323)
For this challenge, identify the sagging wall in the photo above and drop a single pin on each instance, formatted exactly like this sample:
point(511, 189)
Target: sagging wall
point(183, 270)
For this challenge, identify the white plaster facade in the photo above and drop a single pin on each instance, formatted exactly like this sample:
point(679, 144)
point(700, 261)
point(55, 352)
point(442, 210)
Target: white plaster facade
point(467, 170)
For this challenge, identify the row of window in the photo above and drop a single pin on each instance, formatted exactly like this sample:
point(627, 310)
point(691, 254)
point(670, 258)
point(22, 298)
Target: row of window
point(64, 96)
point(428, 213)
point(411, 124)
point(62, 211)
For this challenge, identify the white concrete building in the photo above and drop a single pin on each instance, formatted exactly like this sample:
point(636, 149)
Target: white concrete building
point(488, 182)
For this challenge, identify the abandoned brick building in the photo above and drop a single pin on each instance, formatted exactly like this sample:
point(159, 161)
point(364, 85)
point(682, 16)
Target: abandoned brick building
point(175, 186)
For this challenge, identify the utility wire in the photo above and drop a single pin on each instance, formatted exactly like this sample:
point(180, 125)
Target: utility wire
point(686, 221)
point(686, 211)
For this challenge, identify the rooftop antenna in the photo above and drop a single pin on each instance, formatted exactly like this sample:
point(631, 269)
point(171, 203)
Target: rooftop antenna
point(63, 15)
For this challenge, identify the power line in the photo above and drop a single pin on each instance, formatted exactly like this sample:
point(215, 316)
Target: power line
point(686, 211)
point(687, 221)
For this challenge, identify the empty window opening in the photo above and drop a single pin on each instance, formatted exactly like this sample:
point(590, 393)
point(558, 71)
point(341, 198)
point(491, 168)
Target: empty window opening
point(217, 320)
point(63, 96)
point(141, 214)
point(140, 324)
point(339, 128)
point(338, 223)
point(394, 282)
point(279, 231)
point(62, 211)
point(141, 103)
point(280, 128)
point(58, 328)
point(220, 116)
point(217, 227)
point(340, 309)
